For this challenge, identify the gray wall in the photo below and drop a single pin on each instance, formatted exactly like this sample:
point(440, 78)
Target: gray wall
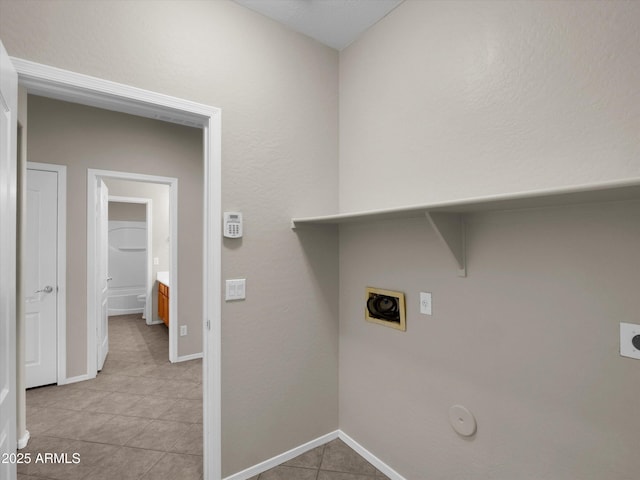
point(528, 342)
point(160, 235)
point(454, 99)
point(84, 137)
point(445, 100)
point(126, 212)
point(278, 91)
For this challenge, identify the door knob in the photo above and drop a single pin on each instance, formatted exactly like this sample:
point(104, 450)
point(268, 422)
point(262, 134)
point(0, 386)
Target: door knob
point(47, 289)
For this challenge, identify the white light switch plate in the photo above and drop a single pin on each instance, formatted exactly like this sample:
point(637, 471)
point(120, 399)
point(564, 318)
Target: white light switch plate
point(628, 334)
point(425, 303)
point(235, 289)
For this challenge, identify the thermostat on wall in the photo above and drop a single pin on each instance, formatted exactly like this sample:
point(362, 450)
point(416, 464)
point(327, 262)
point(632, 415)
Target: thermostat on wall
point(232, 224)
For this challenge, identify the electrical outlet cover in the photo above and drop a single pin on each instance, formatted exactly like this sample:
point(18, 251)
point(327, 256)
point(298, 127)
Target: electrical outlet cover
point(630, 340)
point(425, 303)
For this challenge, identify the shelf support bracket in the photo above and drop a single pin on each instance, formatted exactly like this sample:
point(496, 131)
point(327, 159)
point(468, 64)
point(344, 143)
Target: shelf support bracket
point(451, 230)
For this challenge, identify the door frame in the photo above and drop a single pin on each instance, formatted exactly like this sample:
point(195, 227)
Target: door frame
point(61, 84)
point(93, 175)
point(61, 265)
point(8, 264)
point(148, 203)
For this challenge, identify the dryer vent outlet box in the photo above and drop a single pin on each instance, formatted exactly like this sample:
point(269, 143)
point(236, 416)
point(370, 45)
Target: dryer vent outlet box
point(385, 307)
point(630, 340)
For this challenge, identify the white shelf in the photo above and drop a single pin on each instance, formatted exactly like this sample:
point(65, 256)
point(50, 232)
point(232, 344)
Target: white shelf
point(447, 218)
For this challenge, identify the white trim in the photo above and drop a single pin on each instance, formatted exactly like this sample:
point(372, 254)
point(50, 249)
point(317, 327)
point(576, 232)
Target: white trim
point(294, 452)
point(370, 457)
point(8, 262)
point(76, 379)
point(212, 299)
point(61, 280)
point(55, 83)
point(283, 457)
point(193, 356)
point(92, 292)
point(24, 440)
point(125, 311)
point(148, 311)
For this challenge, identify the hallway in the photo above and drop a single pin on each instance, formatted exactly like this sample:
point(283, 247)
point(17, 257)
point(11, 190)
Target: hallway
point(140, 418)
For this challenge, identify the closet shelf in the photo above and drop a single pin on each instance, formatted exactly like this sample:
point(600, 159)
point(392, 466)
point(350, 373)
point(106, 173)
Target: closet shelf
point(447, 218)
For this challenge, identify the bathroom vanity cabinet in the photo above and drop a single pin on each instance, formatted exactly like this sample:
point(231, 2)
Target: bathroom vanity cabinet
point(163, 303)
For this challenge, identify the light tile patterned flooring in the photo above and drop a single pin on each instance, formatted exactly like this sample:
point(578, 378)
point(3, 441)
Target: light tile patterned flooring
point(333, 461)
point(141, 419)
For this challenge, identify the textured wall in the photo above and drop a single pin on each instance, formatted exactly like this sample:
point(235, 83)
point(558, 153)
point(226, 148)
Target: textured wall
point(454, 99)
point(528, 342)
point(278, 91)
point(445, 100)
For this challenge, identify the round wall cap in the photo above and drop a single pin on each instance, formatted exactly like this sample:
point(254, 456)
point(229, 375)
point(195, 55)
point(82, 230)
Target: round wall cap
point(462, 420)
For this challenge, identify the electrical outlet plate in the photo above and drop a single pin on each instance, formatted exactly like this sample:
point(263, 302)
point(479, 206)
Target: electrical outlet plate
point(425, 303)
point(183, 330)
point(629, 340)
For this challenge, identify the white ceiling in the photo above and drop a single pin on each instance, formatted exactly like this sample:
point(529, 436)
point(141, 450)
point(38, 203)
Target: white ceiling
point(335, 23)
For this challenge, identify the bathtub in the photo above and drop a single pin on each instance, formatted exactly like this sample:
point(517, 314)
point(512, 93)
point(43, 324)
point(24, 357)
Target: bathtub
point(127, 267)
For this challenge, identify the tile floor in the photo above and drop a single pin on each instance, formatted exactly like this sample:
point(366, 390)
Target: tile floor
point(141, 419)
point(333, 461)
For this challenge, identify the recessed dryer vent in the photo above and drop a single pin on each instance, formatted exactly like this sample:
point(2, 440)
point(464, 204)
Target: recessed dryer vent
point(385, 307)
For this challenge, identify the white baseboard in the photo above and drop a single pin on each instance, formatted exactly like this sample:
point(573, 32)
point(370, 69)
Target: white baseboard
point(185, 358)
point(22, 441)
point(79, 378)
point(283, 457)
point(124, 311)
point(370, 457)
point(294, 452)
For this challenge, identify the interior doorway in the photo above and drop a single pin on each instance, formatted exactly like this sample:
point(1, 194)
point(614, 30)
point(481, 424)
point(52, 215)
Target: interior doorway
point(64, 85)
point(97, 277)
point(131, 253)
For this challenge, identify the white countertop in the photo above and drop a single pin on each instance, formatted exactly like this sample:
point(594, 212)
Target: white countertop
point(163, 277)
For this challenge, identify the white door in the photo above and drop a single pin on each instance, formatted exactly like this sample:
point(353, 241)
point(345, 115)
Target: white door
point(41, 273)
point(8, 186)
point(102, 280)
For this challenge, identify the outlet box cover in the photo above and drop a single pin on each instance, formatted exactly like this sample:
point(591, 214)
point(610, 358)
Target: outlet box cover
point(425, 303)
point(630, 340)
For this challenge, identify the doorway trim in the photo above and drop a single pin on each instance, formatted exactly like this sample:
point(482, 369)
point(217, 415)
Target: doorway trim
point(93, 176)
point(61, 267)
point(61, 84)
point(148, 203)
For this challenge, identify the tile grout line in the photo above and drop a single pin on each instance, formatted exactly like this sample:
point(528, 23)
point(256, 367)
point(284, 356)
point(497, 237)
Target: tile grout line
point(321, 459)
